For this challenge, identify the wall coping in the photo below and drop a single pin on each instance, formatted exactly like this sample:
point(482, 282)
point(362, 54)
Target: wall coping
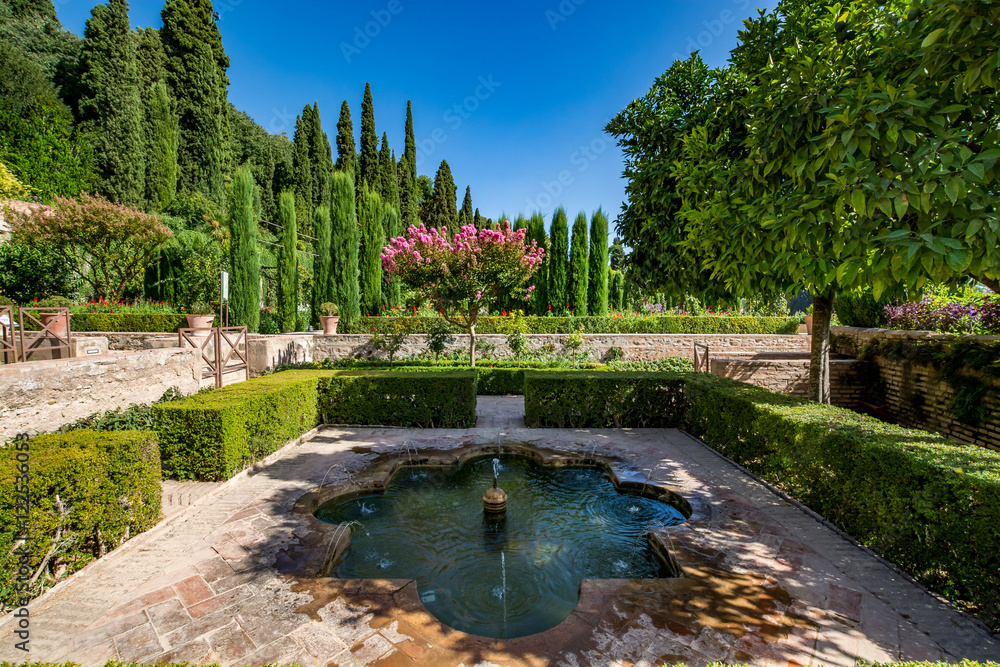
point(913, 335)
point(111, 357)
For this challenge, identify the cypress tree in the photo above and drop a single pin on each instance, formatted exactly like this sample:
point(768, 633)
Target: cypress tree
point(323, 290)
point(347, 156)
point(444, 206)
point(244, 287)
point(368, 162)
point(465, 216)
point(536, 232)
point(520, 223)
point(372, 240)
point(321, 160)
point(597, 275)
point(302, 162)
point(388, 186)
point(578, 266)
point(407, 196)
point(558, 261)
point(618, 291)
point(151, 58)
point(477, 220)
point(110, 99)
point(344, 273)
point(393, 226)
point(196, 66)
point(410, 149)
point(288, 264)
point(162, 136)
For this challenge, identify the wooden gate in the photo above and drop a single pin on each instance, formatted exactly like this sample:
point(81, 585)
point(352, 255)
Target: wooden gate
point(53, 327)
point(7, 347)
point(218, 361)
point(702, 364)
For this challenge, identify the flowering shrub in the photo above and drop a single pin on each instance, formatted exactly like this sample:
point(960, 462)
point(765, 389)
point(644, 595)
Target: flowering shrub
point(464, 276)
point(938, 311)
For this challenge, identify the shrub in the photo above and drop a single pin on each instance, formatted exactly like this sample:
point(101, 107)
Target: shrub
point(125, 322)
point(860, 310)
point(592, 325)
point(31, 271)
point(925, 503)
point(89, 492)
point(445, 399)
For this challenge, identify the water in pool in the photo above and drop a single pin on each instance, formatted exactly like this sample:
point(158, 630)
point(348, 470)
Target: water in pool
point(506, 577)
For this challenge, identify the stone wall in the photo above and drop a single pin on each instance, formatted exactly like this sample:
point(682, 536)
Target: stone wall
point(41, 396)
point(915, 395)
point(789, 374)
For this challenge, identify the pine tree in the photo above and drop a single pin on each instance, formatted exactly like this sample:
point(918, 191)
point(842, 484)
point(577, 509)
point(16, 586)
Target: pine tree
point(288, 264)
point(578, 266)
point(597, 275)
point(368, 162)
point(162, 136)
point(196, 65)
point(444, 206)
point(536, 232)
point(465, 215)
point(370, 210)
point(302, 162)
point(244, 288)
point(347, 156)
point(344, 273)
point(111, 101)
point(407, 196)
point(393, 226)
point(388, 186)
point(323, 291)
point(410, 149)
point(558, 261)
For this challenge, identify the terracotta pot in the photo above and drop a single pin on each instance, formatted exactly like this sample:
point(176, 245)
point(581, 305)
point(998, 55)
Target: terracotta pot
point(60, 328)
point(329, 324)
point(809, 324)
point(200, 322)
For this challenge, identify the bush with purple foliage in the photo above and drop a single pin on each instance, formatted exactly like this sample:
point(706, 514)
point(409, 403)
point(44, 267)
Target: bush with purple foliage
point(968, 313)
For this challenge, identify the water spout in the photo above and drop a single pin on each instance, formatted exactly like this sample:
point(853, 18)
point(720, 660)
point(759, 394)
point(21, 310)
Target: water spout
point(337, 465)
point(503, 572)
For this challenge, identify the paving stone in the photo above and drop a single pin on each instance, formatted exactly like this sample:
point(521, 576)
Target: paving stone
point(221, 601)
point(277, 652)
point(109, 629)
point(193, 590)
point(319, 642)
point(168, 616)
point(230, 644)
point(137, 643)
point(195, 652)
point(365, 653)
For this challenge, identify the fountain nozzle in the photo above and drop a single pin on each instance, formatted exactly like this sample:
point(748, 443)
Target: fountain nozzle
point(495, 500)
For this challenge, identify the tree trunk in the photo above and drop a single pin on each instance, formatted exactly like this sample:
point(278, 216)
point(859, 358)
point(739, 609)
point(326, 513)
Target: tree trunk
point(991, 283)
point(472, 345)
point(819, 362)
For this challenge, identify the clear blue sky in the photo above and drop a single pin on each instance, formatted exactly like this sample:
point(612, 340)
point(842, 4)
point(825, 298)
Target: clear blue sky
point(515, 95)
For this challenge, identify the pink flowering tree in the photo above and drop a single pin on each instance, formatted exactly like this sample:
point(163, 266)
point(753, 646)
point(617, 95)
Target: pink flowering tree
point(465, 275)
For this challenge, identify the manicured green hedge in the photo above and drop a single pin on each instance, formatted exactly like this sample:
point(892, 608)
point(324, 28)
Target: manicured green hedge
point(564, 325)
point(125, 322)
point(445, 399)
point(108, 484)
point(212, 436)
point(926, 503)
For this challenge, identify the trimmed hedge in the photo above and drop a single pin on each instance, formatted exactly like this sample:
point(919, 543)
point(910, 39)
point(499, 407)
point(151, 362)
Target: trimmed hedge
point(925, 503)
point(594, 325)
point(128, 322)
point(109, 488)
point(445, 399)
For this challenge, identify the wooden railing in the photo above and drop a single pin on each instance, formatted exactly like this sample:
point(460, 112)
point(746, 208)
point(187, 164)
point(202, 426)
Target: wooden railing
point(53, 327)
point(218, 362)
point(702, 363)
point(7, 347)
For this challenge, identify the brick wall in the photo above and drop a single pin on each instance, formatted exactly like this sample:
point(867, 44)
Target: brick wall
point(789, 374)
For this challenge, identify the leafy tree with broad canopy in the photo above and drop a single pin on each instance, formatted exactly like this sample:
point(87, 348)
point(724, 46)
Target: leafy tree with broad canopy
point(843, 146)
point(467, 274)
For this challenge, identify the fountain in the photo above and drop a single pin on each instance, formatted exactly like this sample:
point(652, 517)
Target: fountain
point(495, 500)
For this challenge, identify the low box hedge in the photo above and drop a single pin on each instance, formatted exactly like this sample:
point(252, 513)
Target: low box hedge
point(664, 324)
point(107, 485)
point(928, 504)
point(128, 322)
point(445, 399)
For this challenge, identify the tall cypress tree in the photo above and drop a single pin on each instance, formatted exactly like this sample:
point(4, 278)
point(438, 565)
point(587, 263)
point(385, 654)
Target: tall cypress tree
point(444, 206)
point(370, 210)
point(520, 222)
point(196, 65)
point(368, 162)
point(388, 185)
point(578, 266)
point(558, 261)
point(344, 271)
point(244, 289)
point(302, 162)
point(597, 275)
point(321, 160)
point(323, 291)
point(288, 264)
point(465, 215)
point(618, 291)
point(410, 149)
point(393, 226)
point(477, 220)
point(347, 154)
point(111, 100)
point(536, 232)
point(407, 195)
point(162, 136)
point(151, 58)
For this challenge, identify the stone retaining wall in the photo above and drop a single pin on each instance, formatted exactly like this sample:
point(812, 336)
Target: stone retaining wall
point(789, 374)
point(41, 396)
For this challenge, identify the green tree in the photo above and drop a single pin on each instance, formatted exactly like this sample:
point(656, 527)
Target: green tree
point(302, 162)
point(347, 158)
point(423, 188)
point(393, 226)
point(617, 291)
point(368, 162)
point(536, 233)
point(410, 148)
point(477, 220)
point(33, 29)
point(597, 274)
point(111, 102)
point(162, 136)
point(288, 265)
point(557, 259)
point(578, 267)
point(265, 154)
point(407, 194)
point(323, 288)
point(244, 261)
point(444, 206)
point(322, 160)
point(465, 214)
point(151, 58)
point(388, 186)
point(616, 255)
point(370, 210)
point(344, 270)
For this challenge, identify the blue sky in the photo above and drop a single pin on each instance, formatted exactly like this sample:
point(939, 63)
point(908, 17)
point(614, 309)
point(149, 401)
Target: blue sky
point(515, 95)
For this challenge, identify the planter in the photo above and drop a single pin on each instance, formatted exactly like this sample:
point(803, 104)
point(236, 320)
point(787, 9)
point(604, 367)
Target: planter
point(60, 326)
point(200, 322)
point(329, 324)
point(809, 324)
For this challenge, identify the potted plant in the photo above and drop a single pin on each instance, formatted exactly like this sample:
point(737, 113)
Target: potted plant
point(329, 318)
point(201, 316)
point(809, 319)
point(57, 323)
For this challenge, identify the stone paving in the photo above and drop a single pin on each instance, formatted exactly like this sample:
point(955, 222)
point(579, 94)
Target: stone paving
point(233, 579)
